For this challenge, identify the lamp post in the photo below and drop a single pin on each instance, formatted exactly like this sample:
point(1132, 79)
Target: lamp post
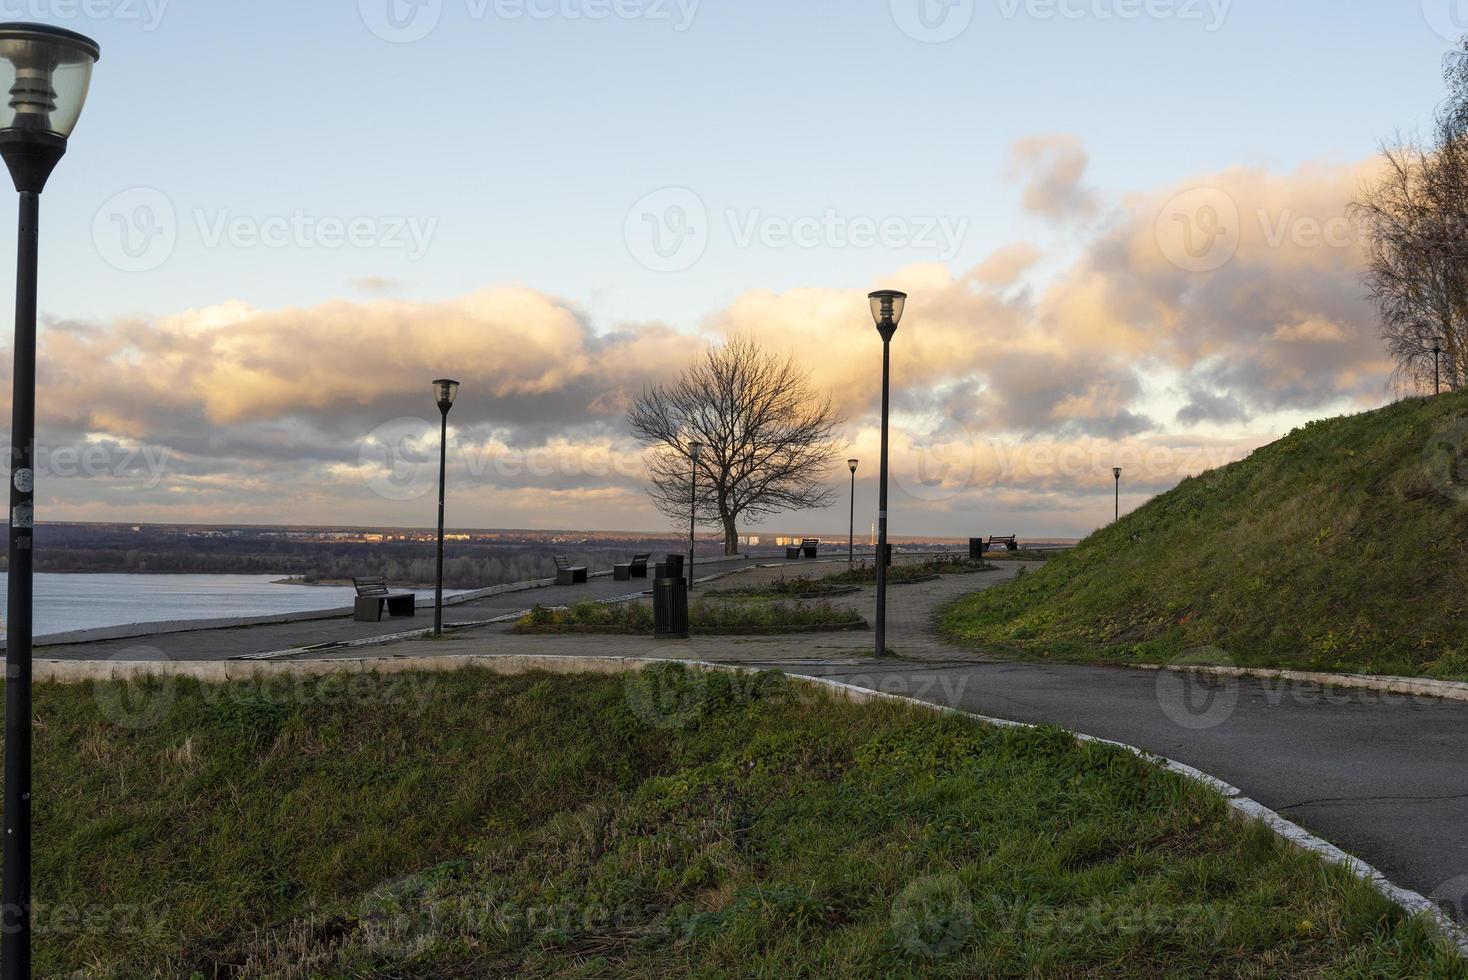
point(445, 391)
point(887, 306)
point(50, 71)
point(1116, 472)
point(1437, 349)
point(851, 528)
point(695, 450)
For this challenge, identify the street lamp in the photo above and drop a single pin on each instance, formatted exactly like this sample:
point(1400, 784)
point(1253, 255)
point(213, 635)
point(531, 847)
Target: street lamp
point(48, 71)
point(1437, 349)
point(695, 450)
point(887, 306)
point(851, 529)
point(1116, 472)
point(445, 391)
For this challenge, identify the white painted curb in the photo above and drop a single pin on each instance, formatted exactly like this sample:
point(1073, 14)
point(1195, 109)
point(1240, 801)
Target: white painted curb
point(82, 671)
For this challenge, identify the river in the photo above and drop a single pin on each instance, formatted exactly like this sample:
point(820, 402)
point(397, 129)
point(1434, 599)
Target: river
point(86, 601)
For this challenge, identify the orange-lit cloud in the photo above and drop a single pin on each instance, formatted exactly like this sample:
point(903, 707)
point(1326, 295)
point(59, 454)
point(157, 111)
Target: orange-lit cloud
point(1209, 306)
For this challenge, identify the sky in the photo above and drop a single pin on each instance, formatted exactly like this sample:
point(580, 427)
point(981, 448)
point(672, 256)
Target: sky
point(1123, 225)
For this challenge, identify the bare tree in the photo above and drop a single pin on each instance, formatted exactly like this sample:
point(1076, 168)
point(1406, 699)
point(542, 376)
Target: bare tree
point(769, 438)
point(1415, 220)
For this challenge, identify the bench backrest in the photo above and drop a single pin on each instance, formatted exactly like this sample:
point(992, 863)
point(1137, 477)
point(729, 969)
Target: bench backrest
point(1003, 540)
point(370, 586)
point(562, 562)
point(641, 559)
point(810, 542)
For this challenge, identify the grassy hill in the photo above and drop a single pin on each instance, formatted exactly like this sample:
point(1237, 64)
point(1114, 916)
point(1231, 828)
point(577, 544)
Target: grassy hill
point(1342, 547)
point(673, 824)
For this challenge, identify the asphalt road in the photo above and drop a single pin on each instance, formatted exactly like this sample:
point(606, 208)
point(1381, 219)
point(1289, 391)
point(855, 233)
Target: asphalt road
point(1384, 777)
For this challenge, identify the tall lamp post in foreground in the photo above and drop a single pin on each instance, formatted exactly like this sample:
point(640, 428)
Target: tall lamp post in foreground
point(446, 391)
point(695, 450)
point(1116, 472)
point(49, 70)
point(887, 306)
point(851, 529)
point(1437, 349)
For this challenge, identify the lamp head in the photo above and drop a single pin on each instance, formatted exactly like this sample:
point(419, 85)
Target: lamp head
point(695, 449)
point(45, 73)
point(445, 391)
point(887, 307)
point(852, 463)
point(1116, 472)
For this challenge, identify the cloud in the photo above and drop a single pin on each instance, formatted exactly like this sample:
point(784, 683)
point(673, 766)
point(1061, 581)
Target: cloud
point(1238, 288)
point(1007, 265)
point(1206, 406)
point(1052, 168)
point(377, 284)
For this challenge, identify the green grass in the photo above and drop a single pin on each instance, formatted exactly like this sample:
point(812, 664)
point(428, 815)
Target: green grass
point(1342, 547)
point(708, 617)
point(784, 587)
point(673, 823)
point(864, 574)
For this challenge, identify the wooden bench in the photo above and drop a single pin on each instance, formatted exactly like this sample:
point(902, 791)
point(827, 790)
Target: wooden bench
point(1010, 543)
point(374, 597)
point(566, 574)
point(636, 568)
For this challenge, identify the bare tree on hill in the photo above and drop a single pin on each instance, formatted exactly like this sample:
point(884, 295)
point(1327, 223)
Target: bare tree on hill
point(769, 438)
point(1415, 221)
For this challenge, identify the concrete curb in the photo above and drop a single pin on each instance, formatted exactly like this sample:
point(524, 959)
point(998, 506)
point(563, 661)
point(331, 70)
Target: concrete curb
point(74, 672)
point(1409, 686)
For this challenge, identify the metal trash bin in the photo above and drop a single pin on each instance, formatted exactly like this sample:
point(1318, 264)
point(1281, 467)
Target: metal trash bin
point(670, 603)
point(976, 549)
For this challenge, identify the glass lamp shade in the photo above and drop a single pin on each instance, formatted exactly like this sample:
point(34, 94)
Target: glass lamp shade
point(695, 449)
point(887, 306)
point(852, 463)
point(445, 391)
point(46, 71)
point(1116, 472)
